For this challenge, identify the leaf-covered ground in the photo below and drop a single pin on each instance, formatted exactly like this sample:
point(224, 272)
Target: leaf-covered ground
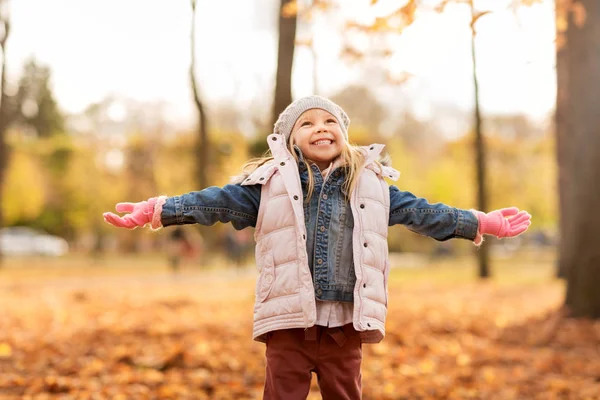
point(156, 336)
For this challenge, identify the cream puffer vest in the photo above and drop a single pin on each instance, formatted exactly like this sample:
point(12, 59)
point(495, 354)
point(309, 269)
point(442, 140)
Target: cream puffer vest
point(284, 290)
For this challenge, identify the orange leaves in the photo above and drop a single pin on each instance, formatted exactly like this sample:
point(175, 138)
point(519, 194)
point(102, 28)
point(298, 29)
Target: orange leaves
point(566, 9)
point(304, 42)
point(441, 6)
point(323, 5)
point(381, 24)
point(529, 3)
point(579, 13)
point(382, 28)
point(293, 8)
point(5, 351)
point(290, 9)
point(351, 54)
point(394, 22)
point(398, 79)
point(155, 337)
point(407, 13)
point(477, 16)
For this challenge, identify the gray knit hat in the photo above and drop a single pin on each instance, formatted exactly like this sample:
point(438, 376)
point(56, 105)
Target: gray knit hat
point(290, 115)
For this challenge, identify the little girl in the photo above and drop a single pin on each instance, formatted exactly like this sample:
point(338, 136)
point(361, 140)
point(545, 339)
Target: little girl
point(321, 208)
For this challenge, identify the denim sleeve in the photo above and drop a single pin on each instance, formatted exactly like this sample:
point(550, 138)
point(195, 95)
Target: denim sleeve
point(438, 220)
point(232, 203)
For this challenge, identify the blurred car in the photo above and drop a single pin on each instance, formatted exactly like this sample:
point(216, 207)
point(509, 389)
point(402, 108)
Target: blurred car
point(23, 241)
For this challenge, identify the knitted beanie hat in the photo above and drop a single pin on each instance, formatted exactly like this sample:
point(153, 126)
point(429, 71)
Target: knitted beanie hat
point(290, 115)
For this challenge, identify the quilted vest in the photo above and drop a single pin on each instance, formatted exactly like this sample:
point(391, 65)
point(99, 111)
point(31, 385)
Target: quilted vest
point(284, 289)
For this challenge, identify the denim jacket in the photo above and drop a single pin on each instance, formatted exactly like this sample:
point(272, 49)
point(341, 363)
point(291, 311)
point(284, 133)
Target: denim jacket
point(329, 222)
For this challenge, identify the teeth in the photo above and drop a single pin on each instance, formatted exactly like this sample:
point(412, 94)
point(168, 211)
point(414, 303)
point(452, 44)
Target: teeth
point(322, 142)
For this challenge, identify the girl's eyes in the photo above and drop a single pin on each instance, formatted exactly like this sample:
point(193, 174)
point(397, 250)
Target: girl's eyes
point(328, 121)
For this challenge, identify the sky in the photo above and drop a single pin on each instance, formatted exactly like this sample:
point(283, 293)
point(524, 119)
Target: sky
point(139, 49)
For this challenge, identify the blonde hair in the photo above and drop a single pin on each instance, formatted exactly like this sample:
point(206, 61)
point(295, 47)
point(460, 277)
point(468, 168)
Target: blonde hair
point(251, 165)
point(352, 158)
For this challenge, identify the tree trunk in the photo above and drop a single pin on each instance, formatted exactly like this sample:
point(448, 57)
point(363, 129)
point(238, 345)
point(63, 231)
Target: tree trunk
point(581, 166)
point(285, 60)
point(560, 126)
point(482, 253)
point(202, 145)
point(5, 114)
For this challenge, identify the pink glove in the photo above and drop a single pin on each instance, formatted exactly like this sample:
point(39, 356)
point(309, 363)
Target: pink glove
point(506, 222)
point(140, 214)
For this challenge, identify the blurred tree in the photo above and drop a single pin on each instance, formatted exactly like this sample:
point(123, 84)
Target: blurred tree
point(395, 23)
point(288, 17)
point(307, 17)
point(482, 200)
point(55, 154)
point(24, 179)
point(98, 175)
point(560, 120)
point(140, 156)
point(580, 159)
point(363, 108)
point(93, 184)
point(203, 144)
point(139, 165)
point(285, 56)
point(38, 108)
point(369, 44)
point(7, 111)
point(226, 117)
point(38, 112)
point(413, 132)
point(516, 126)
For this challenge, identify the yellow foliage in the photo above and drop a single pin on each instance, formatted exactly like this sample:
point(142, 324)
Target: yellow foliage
point(23, 196)
point(91, 188)
point(521, 172)
point(176, 159)
point(5, 350)
point(290, 9)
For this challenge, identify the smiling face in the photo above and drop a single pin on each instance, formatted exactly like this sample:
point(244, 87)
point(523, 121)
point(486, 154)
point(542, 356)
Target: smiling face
point(319, 136)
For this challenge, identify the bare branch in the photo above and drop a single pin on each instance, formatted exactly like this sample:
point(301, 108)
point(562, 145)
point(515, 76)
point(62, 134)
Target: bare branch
point(476, 18)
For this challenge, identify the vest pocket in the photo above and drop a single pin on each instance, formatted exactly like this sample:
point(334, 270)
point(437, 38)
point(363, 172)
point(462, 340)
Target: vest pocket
point(266, 280)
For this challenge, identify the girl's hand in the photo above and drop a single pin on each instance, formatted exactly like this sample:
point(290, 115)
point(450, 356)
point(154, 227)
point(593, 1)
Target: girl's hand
point(140, 214)
point(506, 222)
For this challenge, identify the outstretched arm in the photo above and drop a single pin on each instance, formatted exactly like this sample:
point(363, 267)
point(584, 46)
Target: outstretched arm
point(438, 220)
point(443, 222)
point(232, 203)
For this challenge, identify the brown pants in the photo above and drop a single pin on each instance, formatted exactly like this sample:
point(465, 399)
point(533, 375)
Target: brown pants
point(334, 354)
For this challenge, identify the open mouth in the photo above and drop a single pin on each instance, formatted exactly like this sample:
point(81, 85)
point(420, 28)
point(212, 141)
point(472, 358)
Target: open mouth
point(322, 142)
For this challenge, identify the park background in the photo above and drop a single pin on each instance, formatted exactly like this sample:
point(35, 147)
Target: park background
point(121, 101)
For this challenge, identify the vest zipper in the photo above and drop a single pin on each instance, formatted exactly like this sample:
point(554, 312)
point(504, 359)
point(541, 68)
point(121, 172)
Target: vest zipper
point(317, 219)
point(358, 282)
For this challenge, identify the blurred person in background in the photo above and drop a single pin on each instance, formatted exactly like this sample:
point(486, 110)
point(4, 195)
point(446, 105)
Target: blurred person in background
point(180, 245)
point(321, 208)
point(237, 244)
